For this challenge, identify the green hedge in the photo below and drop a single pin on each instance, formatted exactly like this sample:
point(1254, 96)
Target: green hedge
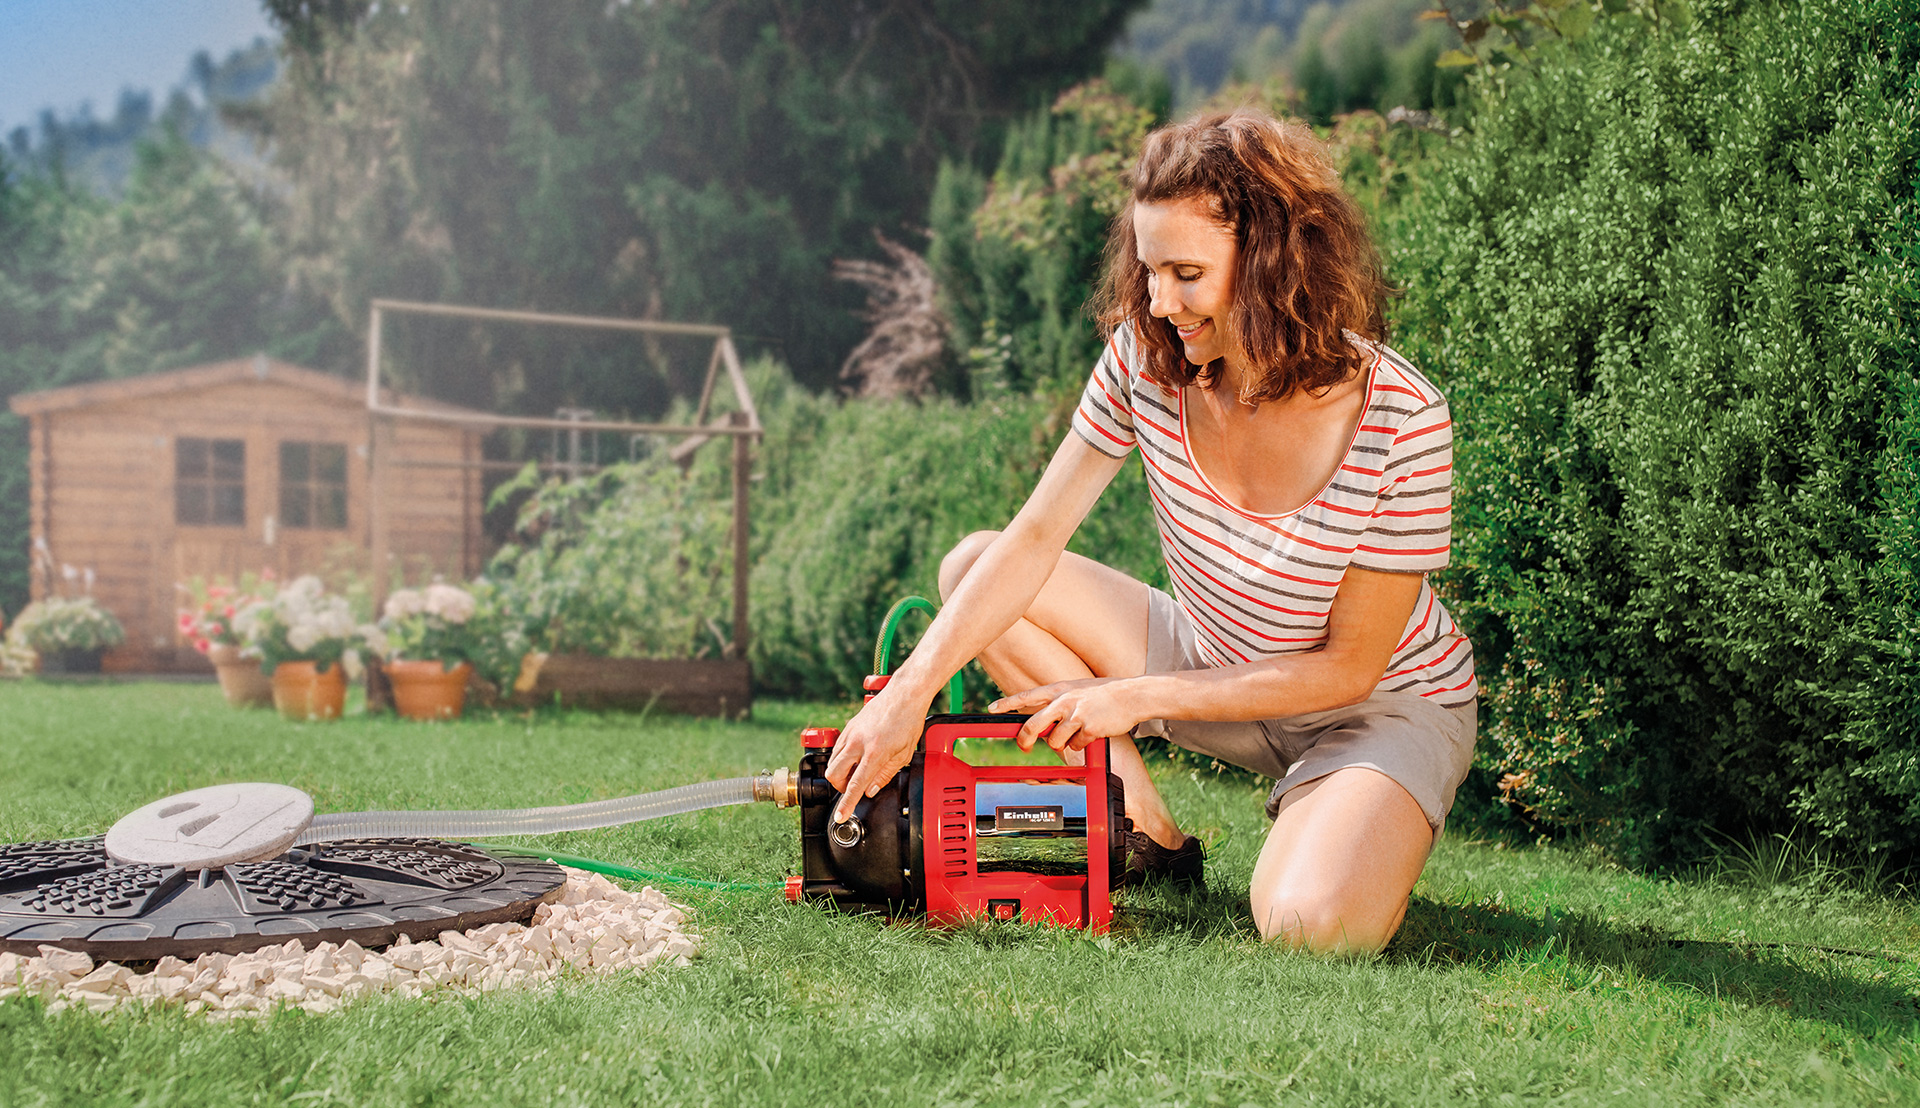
point(860, 500)
point(1667, 281)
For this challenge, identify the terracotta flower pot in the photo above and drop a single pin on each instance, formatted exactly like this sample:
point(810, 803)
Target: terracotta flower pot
point(241, 681)
point(428, 690)
point(301, 691)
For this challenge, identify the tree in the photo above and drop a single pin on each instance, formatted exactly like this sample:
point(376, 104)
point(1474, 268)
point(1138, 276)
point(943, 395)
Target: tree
point(33, 213)
point(175, 272)
point(694, 161)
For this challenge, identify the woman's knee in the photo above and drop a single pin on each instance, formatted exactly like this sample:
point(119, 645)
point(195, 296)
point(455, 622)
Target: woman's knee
point(960, 559)
point(1321, 924)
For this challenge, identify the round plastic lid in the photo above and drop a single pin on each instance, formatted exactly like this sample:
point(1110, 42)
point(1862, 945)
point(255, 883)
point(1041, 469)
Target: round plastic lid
point(212, 827)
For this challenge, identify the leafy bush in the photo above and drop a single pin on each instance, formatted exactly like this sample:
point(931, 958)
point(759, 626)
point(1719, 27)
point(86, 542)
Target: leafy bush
point(632, 562)
point(67, 623)
point(1668, 285)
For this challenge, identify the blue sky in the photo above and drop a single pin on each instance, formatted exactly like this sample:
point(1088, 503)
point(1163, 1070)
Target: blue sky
point(60, 54)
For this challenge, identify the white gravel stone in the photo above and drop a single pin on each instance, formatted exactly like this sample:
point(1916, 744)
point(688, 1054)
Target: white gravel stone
point(594, 927)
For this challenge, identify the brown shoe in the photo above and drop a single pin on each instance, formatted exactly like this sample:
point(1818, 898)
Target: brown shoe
point(1148, 859)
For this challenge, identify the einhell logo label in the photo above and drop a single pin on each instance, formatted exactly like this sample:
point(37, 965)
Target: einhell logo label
point(1030, 817)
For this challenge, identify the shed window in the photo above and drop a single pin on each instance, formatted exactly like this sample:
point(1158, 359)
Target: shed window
point(210, 482)
point(313, 485)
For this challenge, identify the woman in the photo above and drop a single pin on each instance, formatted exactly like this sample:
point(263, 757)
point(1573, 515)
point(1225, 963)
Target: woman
point(1301, 478)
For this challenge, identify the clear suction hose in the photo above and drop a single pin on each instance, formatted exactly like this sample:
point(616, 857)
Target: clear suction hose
point(776, 787)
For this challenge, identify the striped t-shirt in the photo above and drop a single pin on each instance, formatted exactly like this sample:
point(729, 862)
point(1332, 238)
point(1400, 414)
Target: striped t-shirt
point(1258, 586)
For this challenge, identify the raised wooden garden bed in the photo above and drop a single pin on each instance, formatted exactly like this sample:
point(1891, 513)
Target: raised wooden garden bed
point(696, 687)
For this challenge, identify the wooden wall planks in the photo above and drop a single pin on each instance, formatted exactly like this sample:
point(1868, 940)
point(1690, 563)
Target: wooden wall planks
point(102, 488)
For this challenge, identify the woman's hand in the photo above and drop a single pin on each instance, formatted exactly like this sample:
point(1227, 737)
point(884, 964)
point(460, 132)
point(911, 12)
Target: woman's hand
point(874, 745)
point(1071, 714)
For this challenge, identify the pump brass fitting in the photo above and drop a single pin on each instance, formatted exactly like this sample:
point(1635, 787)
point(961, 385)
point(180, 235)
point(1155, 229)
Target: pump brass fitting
point(780, 786)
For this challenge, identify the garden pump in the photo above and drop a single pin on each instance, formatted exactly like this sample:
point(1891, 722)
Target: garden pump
point(959, 841)
point(962, 842)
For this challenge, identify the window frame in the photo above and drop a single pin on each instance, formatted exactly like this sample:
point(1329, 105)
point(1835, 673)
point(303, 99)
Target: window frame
point(220, 483)
point(315, 491)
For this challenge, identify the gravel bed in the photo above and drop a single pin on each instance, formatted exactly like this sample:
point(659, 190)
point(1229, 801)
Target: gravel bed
point(593, 927)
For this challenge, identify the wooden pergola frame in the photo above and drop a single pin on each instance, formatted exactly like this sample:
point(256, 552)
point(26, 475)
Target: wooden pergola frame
point(742, 426)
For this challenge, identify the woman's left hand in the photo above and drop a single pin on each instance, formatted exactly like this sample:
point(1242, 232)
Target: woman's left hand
point(1071, 714)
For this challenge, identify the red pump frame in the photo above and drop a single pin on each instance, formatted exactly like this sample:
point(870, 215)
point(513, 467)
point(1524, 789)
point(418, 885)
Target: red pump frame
point(956, 890)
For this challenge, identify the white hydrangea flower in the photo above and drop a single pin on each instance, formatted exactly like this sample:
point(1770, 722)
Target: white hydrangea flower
point(336, 620)
point(455, 605)
point(404, 603)
point(246, 621)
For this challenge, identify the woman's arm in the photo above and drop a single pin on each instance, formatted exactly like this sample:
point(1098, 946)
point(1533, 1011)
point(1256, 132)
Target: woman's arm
point(997, 591)
point(1364, 625)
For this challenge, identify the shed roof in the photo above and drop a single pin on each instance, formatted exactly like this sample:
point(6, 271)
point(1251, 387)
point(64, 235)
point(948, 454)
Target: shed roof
point(239, 370)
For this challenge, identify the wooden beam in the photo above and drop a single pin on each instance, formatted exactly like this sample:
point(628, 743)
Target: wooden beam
point(706, 386)
point(558, 319)
point(739, 377)
point(39, 506)
point(376, 468)
point(379, 539)
point(742, 477)
point(483, 419)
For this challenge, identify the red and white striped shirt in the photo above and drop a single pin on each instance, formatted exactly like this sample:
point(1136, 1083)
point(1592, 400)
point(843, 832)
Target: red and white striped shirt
point(1259, 586)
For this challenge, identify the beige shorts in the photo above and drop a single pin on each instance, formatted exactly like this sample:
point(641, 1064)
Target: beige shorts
point(1425, 748)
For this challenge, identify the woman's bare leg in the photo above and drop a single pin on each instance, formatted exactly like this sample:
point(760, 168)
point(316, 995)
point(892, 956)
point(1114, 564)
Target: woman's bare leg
point(1088, 621)
point(1340, 862)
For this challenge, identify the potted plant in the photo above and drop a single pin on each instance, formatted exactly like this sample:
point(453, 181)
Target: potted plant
point(68, 633)
point(17, 659)
point(433, 639)
point(209, 626)
point(308, 641)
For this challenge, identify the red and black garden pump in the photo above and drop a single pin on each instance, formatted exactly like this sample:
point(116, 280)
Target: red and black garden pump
point(1041, 844)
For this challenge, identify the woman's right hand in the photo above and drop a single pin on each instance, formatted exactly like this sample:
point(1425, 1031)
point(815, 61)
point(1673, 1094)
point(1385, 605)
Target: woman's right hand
point(874, 745)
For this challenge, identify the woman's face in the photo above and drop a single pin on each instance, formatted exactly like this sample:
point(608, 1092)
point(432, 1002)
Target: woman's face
point(1190, 260)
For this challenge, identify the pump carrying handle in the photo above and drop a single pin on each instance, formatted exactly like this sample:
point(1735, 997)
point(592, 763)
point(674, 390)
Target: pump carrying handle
point(883, 648)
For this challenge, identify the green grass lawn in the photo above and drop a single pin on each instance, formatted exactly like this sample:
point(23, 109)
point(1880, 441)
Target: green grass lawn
point(1523, 975)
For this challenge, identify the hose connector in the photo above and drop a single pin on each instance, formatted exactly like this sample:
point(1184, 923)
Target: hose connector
point(781, 786)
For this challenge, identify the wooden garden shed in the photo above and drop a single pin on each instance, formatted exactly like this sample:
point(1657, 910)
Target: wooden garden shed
point(228, 468)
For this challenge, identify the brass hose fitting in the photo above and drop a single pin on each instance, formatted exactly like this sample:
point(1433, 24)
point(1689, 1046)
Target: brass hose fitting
point(779, 786)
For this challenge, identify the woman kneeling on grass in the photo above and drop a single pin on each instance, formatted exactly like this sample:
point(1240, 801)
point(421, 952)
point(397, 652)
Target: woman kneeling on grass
point(1301, 474)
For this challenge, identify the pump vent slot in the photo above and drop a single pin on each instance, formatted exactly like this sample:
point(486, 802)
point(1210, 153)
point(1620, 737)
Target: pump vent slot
point(956, 832)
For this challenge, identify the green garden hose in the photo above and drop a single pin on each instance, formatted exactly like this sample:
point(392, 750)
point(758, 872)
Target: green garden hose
point(883, 649)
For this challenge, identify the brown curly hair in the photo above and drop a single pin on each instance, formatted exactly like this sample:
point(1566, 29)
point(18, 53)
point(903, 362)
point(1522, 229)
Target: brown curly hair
point(1308, 272)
